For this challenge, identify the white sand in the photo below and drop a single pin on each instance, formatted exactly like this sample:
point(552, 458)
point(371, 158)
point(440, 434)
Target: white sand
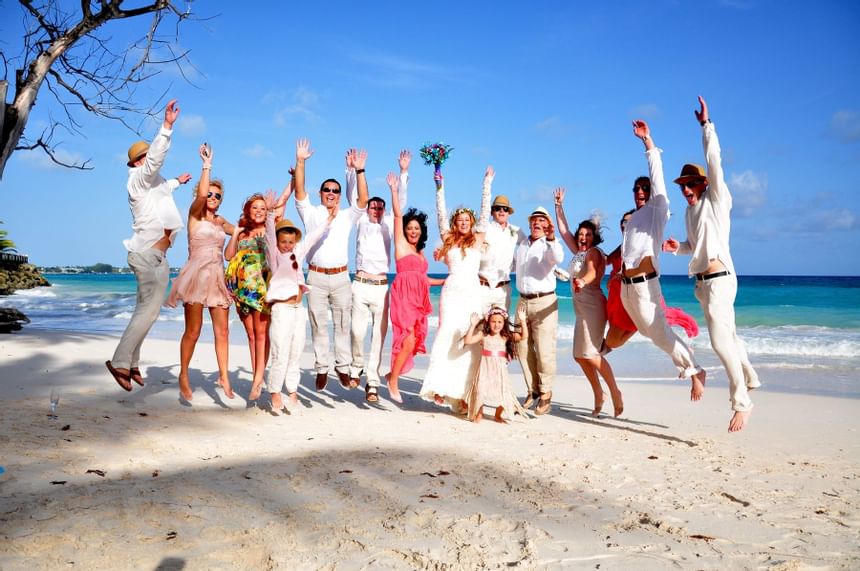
point(344, 485)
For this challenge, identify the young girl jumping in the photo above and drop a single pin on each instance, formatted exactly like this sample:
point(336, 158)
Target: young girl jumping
point(492, 386)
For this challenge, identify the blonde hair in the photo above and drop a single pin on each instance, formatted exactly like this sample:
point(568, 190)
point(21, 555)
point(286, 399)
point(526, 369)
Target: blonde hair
point(453, 238)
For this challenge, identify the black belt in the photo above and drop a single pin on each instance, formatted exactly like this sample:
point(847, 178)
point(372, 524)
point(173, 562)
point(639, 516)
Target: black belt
point(704, 277)
point(536, 295)
point(639, 279)
point(485, 283)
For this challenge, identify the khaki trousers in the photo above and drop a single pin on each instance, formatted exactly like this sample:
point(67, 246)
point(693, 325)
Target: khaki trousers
point(152, 273)
point(717, 298)
point(369, 303)
point(537, 353)
point(642, 302)
point(330, 292)
point(287, 335)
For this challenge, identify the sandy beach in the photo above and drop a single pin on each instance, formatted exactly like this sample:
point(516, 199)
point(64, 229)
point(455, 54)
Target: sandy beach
point(141, 481)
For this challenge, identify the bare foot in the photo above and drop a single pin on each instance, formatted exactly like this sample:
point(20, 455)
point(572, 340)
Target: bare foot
point(617, 403)
point(256, 389)
point(698, 385)
point(225, 384)
point(498, 415)
point(294, 399)
point(739, 420)
point(438, 399)
point(478, 417)
point(598, 404)
point(184, 387)
point(393, 391)
point(277, 401)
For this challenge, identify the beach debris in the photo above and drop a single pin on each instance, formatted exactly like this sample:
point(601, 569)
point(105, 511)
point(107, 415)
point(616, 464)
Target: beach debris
point(171, 535)
point(66, 427)
point(833, 494)
point(58, 482)
point(744, 503)
point(700, 536)
point(431, 496)
point(428, 474)
point(211, 457)
point(97, 472)
point(652, 457)
point(155, 473)
point(345, 472)
point(142, 414)
point(443, 473)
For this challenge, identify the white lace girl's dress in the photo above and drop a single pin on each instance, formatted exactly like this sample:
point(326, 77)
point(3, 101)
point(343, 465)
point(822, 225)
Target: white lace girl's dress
point(589, 305)
point(452, 364)
point(492, 385)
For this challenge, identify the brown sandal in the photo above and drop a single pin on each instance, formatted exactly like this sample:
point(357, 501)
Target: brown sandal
point(372, 394)
point(544, 405)
point(121, 379)
point(530, 400)
point(135, 375)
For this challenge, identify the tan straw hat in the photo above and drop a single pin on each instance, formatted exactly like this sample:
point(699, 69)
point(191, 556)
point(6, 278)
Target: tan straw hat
point(691, 171)
point(540, 211)
point(136, 151)
point(287, 223)
point(502, 200)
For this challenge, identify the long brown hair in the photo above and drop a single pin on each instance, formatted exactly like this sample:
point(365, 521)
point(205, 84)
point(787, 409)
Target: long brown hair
point(453, 238)
point(245, 218)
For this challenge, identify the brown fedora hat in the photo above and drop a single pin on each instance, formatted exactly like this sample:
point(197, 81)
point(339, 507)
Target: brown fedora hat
point(287, 223)
point(136, 151)
point(691, 171)
point(502, 200)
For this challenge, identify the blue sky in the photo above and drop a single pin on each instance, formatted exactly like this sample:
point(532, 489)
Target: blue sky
point(545, 93)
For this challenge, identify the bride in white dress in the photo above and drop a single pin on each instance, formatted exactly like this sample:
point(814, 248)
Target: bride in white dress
point(453, 364)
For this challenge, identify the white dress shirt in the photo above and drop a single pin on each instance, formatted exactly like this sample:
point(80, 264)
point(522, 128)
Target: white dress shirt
point(534, 264)
point(332, 250)
point(709, 221)
point(497, 259)
point(643, 235)
point(373, 239)
point(150, 198)
point(286, 281)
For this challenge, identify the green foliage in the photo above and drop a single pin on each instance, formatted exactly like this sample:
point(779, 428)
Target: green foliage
point(100, 268)
point(6, 245)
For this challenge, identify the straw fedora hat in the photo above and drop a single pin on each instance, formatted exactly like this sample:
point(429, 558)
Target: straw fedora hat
point(136, 151)
point(540, 211)
point(287, 223)
point(502, 200)
point(690, 172)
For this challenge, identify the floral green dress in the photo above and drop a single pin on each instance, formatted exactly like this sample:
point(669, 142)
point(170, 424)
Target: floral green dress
point(247, 275)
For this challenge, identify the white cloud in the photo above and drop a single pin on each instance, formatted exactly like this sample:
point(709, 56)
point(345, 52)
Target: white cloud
point(845, 125)
point(301, 102)
point(552, 127)
point(834, 219)
point(646, 111)
point(396, 71)
point(191, 125)
point(258, 151)
point(749, 192)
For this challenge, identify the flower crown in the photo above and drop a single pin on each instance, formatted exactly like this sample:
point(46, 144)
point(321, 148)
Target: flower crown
point(496, 310)
point(463, 210)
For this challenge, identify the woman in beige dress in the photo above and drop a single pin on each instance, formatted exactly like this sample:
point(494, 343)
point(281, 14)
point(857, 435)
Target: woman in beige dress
point(586, 272)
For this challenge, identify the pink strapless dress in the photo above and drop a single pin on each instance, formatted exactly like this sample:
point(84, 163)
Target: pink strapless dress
point(201, 279)
point(410, 305)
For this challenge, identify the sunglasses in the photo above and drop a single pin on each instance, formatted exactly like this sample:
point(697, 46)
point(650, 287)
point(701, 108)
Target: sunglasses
point(642, 188)
point(691, 184)
point(215, 194)
point(331, 190)
point(295, 263)
point(501, 208)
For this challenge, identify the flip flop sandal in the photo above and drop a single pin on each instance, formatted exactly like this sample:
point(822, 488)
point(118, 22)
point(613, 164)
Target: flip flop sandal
point(135, 375)
point(544, 404)
point(121, 379)
point(530, 400)
point(372, 394)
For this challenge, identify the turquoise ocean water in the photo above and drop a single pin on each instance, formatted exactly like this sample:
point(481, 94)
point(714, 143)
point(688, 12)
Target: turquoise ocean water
point(802, 333)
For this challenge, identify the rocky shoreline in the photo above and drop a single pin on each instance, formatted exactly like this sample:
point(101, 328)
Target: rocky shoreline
point(23, 276)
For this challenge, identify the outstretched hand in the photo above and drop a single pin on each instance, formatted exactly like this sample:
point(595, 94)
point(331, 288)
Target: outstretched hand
point(404, 160)
point(490, 174)
point(559, 195)
point(183, 178)
point(393, 181)
point(206, 153)
point(171, 113)
point(671, 245)
point(702, 114)
point(521, 314)
point(269, 199)
point(303, 150)
point(474, 319)
point(360, 159)
point(641, 129)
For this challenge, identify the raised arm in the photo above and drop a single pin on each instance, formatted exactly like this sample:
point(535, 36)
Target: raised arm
point(303, 152)
point(441, 209)
point(659, 199)
point(717, 189)
point(195, 211)
point(561, 220)
point(400, 243)
point(404, 160)
point(359, 160)
point(473, 335)
point(233, 244)
point(281, 203)
point(351, 182)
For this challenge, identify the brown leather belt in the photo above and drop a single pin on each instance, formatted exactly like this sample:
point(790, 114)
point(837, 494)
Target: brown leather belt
point(536, 295)
point(639, 279)
point(703, 277)
point(485, 283)
point(383, 281)
point(326, 271)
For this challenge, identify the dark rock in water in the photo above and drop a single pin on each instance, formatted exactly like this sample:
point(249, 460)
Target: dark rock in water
point(11, 319)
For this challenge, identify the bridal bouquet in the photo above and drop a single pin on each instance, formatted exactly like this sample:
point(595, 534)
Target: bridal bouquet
point(435, 154)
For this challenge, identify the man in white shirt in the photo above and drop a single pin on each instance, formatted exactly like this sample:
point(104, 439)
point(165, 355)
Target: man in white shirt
point(328, 277)
point(156, 221)
point(708, 222)
point(373, 241)
point(640, 288)
point(535, 259)
point(497, 259)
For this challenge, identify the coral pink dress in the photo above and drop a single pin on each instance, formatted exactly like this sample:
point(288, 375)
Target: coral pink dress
point(617, 315)
point(410, 305)
point(201, 279)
